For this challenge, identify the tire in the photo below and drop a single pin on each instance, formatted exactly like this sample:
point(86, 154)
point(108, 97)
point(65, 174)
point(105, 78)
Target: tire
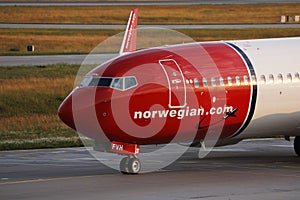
point(124, 165)
point(297, 145)
point(134, 166)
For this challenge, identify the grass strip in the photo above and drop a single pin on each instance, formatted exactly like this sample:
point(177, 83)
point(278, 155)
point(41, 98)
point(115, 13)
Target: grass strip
point(66, 41)
point(40, 143)
point(51, 41)
point(169, 14)
point(29, 99)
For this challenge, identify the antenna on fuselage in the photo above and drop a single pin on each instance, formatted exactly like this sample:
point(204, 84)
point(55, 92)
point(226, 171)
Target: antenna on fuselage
point(129, 39)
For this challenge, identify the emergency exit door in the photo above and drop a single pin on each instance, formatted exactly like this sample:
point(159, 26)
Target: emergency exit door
point(176, 82)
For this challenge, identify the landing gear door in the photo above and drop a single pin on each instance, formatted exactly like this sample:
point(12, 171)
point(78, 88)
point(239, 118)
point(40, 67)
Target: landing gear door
point(176, 81)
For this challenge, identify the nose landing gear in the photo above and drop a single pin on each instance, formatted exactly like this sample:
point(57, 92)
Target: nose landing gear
point(130, 165)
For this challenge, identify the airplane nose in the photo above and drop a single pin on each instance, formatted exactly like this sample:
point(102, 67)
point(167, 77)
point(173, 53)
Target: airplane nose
point(65, 112)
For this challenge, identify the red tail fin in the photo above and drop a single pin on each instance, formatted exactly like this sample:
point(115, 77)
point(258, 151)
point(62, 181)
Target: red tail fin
point(129, 40)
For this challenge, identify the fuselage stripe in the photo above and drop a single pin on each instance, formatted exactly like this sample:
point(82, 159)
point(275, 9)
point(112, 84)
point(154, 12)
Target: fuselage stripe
point(254, 89)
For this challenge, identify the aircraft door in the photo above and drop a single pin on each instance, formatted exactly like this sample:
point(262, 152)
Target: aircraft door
point(176, 82)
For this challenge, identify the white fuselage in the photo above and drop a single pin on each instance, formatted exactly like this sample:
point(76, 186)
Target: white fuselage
point(277, 67)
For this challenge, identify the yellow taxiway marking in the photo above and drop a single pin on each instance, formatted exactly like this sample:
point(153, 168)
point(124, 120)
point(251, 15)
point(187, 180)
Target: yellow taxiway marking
point(45, 180)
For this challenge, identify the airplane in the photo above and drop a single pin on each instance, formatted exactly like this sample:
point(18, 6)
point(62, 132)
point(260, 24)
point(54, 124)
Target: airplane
point(227, 91)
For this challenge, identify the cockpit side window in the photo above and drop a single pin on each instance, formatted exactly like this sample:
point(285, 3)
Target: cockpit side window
point(85, 81)
point(130, 82)
point(94, 82)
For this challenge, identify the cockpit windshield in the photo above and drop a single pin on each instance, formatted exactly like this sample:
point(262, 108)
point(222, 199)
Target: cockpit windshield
point(95, 81)
point(119, 83)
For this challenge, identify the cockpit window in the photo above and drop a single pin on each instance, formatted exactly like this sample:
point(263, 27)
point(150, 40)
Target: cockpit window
point(117, 83)
point(105, 82)
point(96, 81)
point(85, 81)
point(120, 83)
point(130, 82)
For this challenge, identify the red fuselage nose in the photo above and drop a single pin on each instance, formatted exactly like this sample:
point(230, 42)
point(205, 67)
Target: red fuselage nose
point(78, 111)
point(65, 112)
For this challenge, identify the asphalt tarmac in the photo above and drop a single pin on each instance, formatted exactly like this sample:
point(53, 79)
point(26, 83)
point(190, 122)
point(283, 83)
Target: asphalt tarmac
point(252, 169)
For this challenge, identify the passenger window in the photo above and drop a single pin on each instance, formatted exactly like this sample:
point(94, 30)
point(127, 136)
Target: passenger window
point(237, 80)
point(130, 82)
point(213, 82)
point(196, 83)
point(280, 78)
point(117, 83)
point(246, 80)
point(205, 83)
point(263, 79)
point(289, 78)
point(271, 78)
point(229, 80)
point(222, 81)
point(297, 78)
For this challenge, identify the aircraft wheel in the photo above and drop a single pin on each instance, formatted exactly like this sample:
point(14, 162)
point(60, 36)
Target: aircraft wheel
point(134, 166)
point(297, 145)
point(124, 165)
